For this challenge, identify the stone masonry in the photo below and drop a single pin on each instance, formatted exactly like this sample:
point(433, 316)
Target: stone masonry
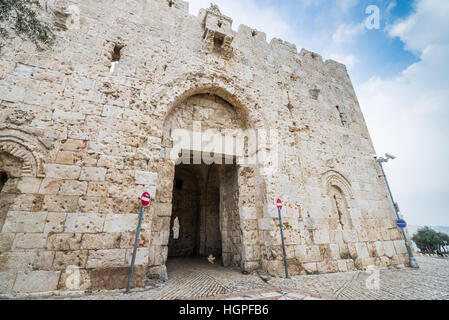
point(87, 126)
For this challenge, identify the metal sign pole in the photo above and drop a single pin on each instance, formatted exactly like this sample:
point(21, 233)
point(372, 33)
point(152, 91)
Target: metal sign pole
point(413, 262)
point(135, 250)
point(283, 245)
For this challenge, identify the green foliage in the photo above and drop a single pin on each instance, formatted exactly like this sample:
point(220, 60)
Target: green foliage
point(19, 18)
point(428, 240)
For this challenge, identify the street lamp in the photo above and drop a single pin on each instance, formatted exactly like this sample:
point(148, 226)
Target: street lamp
point(385, 159)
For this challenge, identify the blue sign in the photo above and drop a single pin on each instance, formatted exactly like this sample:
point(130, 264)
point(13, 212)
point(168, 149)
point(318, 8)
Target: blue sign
point(401, 224)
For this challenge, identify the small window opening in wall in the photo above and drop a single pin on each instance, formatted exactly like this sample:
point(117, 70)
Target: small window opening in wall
point(218, 42)
point(116, 54)
point(170, 3)
point(342, 116)
point(3, 179)
point(254, 33)
point(219, 24)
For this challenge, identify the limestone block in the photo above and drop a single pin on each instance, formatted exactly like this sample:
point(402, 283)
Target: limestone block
point(321, 236)
point(17, 261)
point(93, 174)
point(73, 188)
point(64, 259)
point(30, 241)
point(101, 241)
point(74, 145)
point(111, 162)
point(6, 241)
point(7, 280)
point(362, 250)
point(313, 253)
point(389, 248)
point(22, 222)
point(64, 241)
point(62, 171)
point(37, 281)
point(98, 189)
point(84, 222)
point(50, 186)
point(44, 260)
point(106, 258)
point(350, 236)
point(60, 115)
point(399, 245)
point(157, 254)
point(248, 213)
point(65, 157)
point(265, 223)
point(90, 204)
point(112, 111)
point(55, 222)
point(60, 203)
point(120, 222)
point(142, 255)
point(342, 265)
point(146, 178)
point(29, 185)
point(12, 93)
point(163, 209)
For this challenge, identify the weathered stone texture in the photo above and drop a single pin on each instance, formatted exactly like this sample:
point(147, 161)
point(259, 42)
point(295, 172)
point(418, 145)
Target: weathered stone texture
point(80, 141)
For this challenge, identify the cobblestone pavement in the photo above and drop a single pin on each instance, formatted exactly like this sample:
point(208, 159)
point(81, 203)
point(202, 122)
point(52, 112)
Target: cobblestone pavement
point(198, 279)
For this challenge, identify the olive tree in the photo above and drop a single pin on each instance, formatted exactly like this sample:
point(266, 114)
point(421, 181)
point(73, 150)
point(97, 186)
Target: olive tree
point(19, 18)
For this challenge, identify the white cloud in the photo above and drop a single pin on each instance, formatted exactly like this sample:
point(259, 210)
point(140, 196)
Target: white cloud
point(408, 115)
point(347, 59)
point(345, 5)
point(428, 26)
point(347, 33)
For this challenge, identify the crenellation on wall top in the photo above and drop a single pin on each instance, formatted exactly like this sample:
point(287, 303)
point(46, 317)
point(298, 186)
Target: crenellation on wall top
point(277, 43)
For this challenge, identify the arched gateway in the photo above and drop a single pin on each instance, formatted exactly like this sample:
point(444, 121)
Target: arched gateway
point(214, 191)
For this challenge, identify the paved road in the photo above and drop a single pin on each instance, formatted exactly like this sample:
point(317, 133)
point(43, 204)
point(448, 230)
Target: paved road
point(198, 279)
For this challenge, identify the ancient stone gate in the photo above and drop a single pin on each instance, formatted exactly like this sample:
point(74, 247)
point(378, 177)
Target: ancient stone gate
point(86, 127)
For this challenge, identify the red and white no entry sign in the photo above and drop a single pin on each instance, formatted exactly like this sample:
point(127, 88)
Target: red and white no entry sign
point(145, 199)
point(279, 204)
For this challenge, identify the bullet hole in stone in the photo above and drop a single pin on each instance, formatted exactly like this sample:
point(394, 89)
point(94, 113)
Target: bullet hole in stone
point(219, 24)
point(254, 33)
point(170, 3)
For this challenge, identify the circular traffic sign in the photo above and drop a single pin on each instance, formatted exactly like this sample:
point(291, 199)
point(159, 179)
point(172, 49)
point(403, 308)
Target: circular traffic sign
point(401, 224)
point(279, 204)
point(145, 199)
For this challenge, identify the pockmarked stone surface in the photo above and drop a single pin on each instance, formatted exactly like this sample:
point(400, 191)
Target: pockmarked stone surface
point(210, 119)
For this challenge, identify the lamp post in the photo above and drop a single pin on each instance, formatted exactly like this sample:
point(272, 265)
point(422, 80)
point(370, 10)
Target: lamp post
point(381, 160)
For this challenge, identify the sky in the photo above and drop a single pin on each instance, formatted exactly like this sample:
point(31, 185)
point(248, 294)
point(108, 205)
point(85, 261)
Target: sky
point(400, 72)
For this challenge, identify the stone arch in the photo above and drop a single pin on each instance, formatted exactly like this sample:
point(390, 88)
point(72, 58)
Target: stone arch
point(333, 178)
point(168, 96)
point(339, 190)
point(164, 101)
point(26, 148)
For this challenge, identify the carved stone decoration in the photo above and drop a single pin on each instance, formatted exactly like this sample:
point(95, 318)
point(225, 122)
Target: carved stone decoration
point(218, 31)
point(333, 178)
point(25, 147)
point(19, 117)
